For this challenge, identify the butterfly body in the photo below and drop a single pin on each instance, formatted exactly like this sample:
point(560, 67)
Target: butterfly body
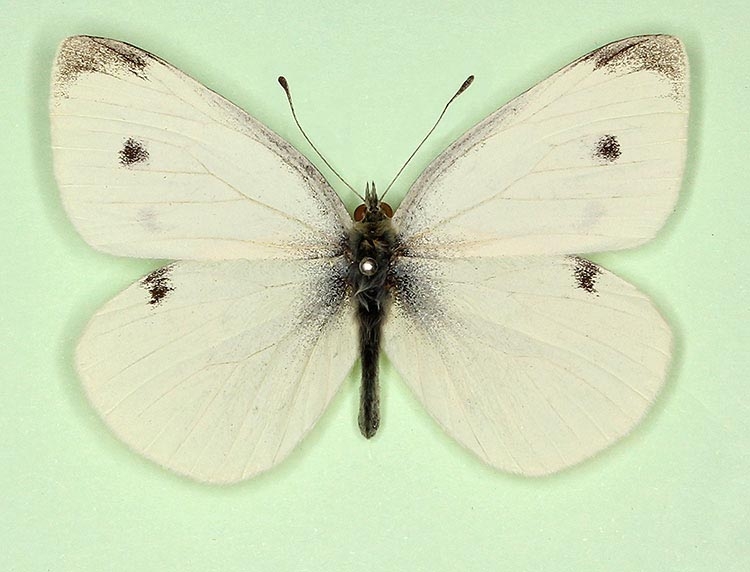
point(476, 287)
point(372, 240)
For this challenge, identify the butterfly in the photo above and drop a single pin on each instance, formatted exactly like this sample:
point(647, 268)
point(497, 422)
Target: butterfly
point(529, 355)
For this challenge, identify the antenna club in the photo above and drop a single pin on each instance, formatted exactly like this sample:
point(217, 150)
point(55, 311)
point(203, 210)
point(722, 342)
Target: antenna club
point(464, 85)
point(285, 85)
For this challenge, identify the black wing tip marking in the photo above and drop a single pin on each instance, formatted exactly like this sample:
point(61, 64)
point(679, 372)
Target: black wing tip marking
point(80, 55)
point(660, 53)
point(133, 151)
point(158, 284)
point(585, 274)
point(614, 52)
point(608, 148)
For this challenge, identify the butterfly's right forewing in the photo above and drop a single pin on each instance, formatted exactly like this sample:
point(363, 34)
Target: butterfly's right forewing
point(588, 160)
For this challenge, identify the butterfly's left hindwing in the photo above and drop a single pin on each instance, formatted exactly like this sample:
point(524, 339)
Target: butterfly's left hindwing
point(152, 164)
point(216, 370)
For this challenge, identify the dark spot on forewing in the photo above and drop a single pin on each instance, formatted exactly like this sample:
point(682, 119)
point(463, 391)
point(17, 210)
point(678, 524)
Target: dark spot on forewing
point(158, 285)
point(133, 151)
point(585, 274)
point(608, 148)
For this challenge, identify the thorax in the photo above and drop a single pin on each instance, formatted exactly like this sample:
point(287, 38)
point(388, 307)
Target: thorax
point(370, 249)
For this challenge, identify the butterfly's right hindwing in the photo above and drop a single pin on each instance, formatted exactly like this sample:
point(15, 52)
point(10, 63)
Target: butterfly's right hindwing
point(532, 363)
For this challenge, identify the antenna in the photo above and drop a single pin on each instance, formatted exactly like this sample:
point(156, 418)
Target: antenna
point(285, 85)
point(464, 86)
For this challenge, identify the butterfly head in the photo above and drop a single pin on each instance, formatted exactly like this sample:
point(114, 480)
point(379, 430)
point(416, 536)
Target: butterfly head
point(373, 209)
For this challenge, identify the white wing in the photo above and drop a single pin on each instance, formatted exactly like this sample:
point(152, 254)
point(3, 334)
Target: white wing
point(216, 370)
point(588, 160)
point(152, 164)
point(532, 363)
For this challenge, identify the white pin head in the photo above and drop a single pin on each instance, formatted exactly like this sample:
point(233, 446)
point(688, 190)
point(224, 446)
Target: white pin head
point(368, 266)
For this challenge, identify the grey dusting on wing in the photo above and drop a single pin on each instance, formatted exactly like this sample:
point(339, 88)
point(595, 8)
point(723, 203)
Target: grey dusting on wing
point(84, 54)
point(324, 297)
point(330, 287)
point(133, 151)
point(585, 274)
point(661, 54)
point(415, 290)
point(608, 148)
point(326, 200)
point(158, 285)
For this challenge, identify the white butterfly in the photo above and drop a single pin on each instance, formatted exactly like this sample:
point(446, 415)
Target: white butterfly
point(217, 365)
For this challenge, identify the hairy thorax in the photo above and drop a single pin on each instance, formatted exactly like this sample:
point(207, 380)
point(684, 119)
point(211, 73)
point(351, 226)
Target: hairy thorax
point(370, 250)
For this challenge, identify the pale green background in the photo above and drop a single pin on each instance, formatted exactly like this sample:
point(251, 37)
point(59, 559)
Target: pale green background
point(368, 80)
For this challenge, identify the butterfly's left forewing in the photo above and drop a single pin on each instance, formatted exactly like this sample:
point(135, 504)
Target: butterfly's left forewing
point(152, 164)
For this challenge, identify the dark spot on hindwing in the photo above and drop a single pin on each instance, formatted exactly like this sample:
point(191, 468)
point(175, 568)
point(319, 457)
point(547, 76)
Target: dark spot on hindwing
point(158, 284)
point(133, 151)
point(585, 274)
point(608, 148)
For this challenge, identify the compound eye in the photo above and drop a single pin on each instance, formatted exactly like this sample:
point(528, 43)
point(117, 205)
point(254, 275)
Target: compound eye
point(368, 266)
point(359, 213)
point(386, 209)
